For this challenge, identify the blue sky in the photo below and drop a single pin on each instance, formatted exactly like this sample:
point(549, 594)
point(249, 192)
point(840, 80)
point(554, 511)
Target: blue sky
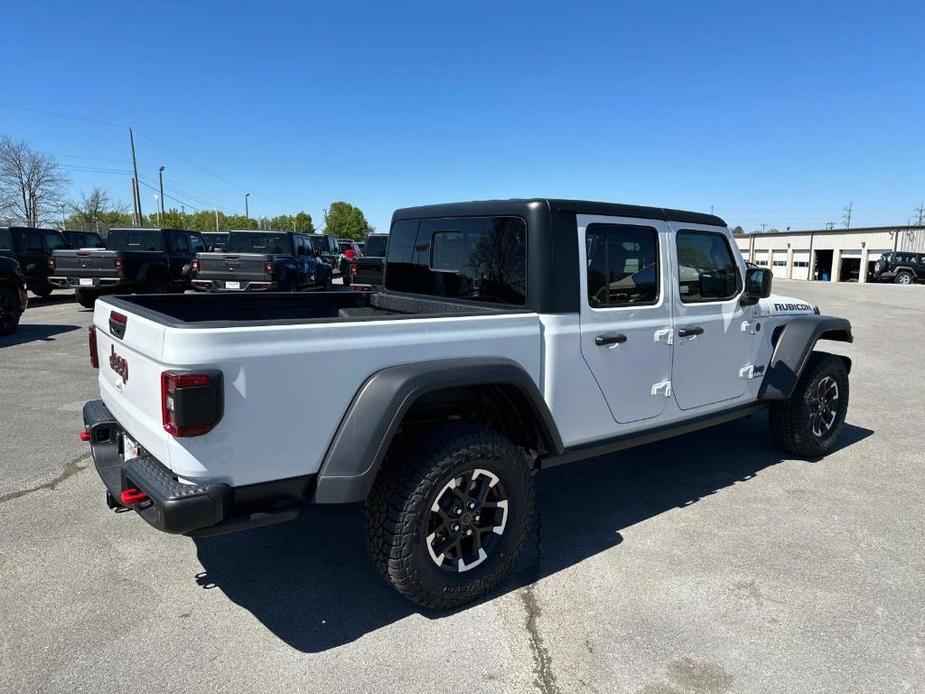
point(773, 112)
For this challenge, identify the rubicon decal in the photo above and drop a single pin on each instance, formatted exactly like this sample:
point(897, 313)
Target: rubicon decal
point(792, 307)
point(119, 365)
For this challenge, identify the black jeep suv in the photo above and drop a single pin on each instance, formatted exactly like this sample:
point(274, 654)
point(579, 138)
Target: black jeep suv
point(901, 267)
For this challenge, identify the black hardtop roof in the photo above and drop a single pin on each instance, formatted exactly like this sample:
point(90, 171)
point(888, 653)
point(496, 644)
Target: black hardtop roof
point(262, 231)
point(185, 231)
point(19, 228)
point(522, 207)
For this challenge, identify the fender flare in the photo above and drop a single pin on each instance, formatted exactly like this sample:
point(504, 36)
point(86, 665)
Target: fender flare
point(792, 349)
point(359, 445)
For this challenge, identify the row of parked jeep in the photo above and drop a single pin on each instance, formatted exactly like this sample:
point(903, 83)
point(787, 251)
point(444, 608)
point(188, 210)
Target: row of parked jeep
point(154, 261)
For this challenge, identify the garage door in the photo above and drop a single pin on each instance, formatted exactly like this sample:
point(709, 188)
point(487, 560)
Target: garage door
point(762, 258)
point(800, 265)
point(779, 263)
point(875, 255)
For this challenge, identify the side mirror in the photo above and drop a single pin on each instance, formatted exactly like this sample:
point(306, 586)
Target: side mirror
point(757, 285)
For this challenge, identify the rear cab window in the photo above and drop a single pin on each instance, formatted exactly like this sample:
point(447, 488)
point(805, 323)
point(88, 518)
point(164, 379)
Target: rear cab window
point(135, 240)
point(481, 259)
point(376, 245)
point(255, 242)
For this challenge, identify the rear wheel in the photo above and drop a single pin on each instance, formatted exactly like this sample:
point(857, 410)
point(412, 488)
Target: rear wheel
point(41, 290)
point(10, 311)
point(808, 424)
point(449, 514)
point(903, 277)
point(86, 297)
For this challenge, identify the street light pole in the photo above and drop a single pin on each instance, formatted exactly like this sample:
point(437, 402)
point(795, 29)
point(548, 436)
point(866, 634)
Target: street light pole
point(157, 207)
point(160, 173)
point(247, 212)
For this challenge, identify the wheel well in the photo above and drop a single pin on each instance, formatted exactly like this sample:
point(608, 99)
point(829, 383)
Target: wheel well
point(503, 407)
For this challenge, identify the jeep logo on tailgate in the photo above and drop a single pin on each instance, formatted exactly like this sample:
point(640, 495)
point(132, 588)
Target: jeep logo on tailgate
point(118, 364)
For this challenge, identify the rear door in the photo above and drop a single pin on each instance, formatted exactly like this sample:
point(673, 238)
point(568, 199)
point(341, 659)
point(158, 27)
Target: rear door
point(714, 336)
point(33, 258)
point(626, 312)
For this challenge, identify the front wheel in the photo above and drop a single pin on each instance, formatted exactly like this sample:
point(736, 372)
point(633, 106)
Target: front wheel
point(449, 513)
point(808, 424)
point(10, 311)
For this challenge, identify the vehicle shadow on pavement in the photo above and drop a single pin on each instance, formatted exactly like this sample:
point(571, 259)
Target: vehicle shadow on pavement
point(51, 300)
point(31, 332)
point(310, 581)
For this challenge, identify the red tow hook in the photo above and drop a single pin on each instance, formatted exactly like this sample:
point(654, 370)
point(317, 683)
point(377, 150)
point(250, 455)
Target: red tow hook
point(132, 496)
point(85, 435)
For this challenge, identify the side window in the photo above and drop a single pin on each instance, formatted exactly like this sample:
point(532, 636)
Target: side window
point(478, 258)
point(196, 244)
point(706, 267)
point(180, 243)
point(32, 241)
point(622, 265)
point(54, 240)
point(6, 240)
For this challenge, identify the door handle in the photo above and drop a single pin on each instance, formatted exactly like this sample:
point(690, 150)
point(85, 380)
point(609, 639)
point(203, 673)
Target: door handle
point(602, 340)
point(690, 332)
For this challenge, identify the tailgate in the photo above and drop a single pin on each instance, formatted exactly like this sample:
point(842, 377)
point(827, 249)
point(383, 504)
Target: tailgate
point(130, 374)
point(85, 263)
point(247, 267)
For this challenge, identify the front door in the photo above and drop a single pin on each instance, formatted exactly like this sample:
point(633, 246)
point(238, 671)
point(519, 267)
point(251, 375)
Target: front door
point(626, 312)
point(714, 334)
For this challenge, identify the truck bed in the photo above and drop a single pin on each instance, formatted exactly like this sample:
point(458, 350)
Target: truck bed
point(237, 310)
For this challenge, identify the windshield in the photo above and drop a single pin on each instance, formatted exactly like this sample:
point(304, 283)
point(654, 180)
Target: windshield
point(135, 240)
point(375, 245)
point(244, 242)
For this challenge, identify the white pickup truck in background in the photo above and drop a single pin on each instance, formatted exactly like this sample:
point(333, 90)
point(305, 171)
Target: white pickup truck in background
point(510, 336)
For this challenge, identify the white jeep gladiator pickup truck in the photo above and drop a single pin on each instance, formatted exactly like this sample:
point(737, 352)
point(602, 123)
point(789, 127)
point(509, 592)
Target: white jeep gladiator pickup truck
point(509, 336)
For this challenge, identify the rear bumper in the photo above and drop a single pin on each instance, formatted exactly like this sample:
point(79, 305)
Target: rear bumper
point(219, 286)
point(82, 282)
point(172, 506)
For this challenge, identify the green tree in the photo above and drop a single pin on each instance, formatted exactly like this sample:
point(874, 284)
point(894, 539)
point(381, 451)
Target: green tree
point(345, 221)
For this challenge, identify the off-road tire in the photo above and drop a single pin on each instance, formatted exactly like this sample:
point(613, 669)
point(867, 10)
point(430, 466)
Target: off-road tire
point(399, 507)
point(42, 290)
point(904, 277)
point(86, 297)
point(790, 423)
point(10, 311)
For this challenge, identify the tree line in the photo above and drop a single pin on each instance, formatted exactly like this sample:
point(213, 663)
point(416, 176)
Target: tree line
point(32, 193)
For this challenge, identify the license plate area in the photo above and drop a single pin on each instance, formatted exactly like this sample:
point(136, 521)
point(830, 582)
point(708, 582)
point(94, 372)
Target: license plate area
point(86, 281)
point(129, 448)
point(232, 285)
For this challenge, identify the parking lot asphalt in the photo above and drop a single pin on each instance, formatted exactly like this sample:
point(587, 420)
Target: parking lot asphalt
point(710, 563)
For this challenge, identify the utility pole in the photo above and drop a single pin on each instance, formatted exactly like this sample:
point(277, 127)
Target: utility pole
point(63, 218)
point(762, 228)
point(846, 215)
point(247, 212)
point(216, 220)
point(157, 208)
point(136, 191)
point(711, 209)
point(160, 173)
point(920, 215)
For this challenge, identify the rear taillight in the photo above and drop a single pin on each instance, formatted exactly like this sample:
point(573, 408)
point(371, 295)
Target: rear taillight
point(118, 322)
point(191, 403)
point(94, 354)
point(52, 264)
point(268, 267)
point(195, 265)
point(117, 265)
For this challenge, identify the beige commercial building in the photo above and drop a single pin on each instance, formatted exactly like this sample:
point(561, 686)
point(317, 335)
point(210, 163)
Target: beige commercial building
point(835, 255)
